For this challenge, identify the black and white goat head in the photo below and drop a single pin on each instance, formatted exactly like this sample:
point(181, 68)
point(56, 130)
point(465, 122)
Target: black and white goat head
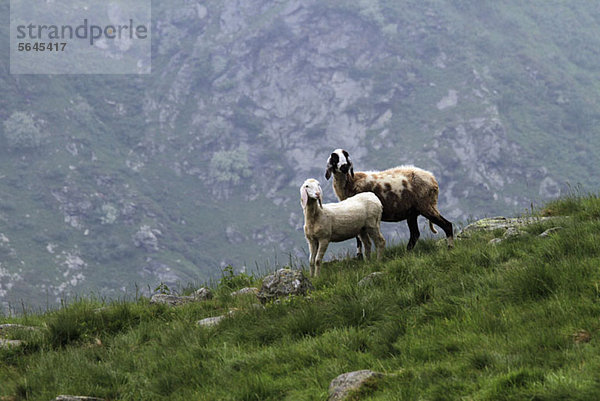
point(340, 161)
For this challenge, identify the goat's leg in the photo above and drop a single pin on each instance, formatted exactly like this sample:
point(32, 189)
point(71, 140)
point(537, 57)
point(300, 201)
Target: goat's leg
point(378, 239)
point(414, 229)
point(436, 218)
point(366, 241)
point(313, 247)
point(359, 252)
point(322, 248)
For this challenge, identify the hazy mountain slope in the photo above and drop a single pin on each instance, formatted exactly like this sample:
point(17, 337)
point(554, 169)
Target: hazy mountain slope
point(143, 179)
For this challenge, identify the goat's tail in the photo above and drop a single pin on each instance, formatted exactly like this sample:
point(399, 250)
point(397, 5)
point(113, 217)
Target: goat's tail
point(433, 230)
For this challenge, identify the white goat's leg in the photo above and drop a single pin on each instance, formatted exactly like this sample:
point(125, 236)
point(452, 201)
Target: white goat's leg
point(366, 242)
point(359, 252)
point(313, 247)
point(378, 239)
point(323, 244)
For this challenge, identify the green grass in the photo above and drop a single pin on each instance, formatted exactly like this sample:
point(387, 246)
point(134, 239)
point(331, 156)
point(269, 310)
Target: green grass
point(512, 321)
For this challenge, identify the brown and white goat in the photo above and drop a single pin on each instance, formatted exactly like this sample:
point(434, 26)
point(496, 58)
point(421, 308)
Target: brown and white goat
point(405, 192)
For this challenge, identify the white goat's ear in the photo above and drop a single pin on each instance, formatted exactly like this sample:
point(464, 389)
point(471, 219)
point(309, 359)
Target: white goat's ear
point(320, 196)
point(303, 196)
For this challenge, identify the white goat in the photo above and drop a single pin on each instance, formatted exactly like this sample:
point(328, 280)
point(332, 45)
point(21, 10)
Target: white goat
point(359, 215)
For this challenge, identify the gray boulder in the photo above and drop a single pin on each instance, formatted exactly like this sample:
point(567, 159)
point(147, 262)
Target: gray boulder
point(346, 383)
point(283, 283)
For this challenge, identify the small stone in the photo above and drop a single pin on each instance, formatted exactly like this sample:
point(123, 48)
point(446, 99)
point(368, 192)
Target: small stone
point(344, 384)
point(210, 321)
point(11, 326)
point(10, 343)
point(582, 336)
point(77, 398)
point(513, 232)
point(257, 307)
point(370, 279)
point(550, 232)
point(171, 300)
point(202, 294)
point(245, 291)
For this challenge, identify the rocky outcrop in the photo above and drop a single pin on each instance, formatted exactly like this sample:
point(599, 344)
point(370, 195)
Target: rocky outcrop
point(347, 383)
point(504, 223)
point(147, 238)
point(283, 283)
point(513, 227)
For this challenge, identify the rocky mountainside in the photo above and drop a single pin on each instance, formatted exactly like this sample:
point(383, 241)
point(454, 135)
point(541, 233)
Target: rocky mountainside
point(117, 183)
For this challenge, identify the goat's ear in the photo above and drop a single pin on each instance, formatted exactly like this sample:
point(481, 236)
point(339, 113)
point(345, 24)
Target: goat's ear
point(351, 168)
point(303, 197)
point(320, 196)
point(332, 162)
point(348, 158)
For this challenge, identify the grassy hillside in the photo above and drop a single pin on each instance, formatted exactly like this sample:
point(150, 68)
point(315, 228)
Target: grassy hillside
point(515, 320)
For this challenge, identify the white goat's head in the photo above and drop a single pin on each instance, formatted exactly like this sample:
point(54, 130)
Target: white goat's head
point(339, 161)
point(310, 189)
